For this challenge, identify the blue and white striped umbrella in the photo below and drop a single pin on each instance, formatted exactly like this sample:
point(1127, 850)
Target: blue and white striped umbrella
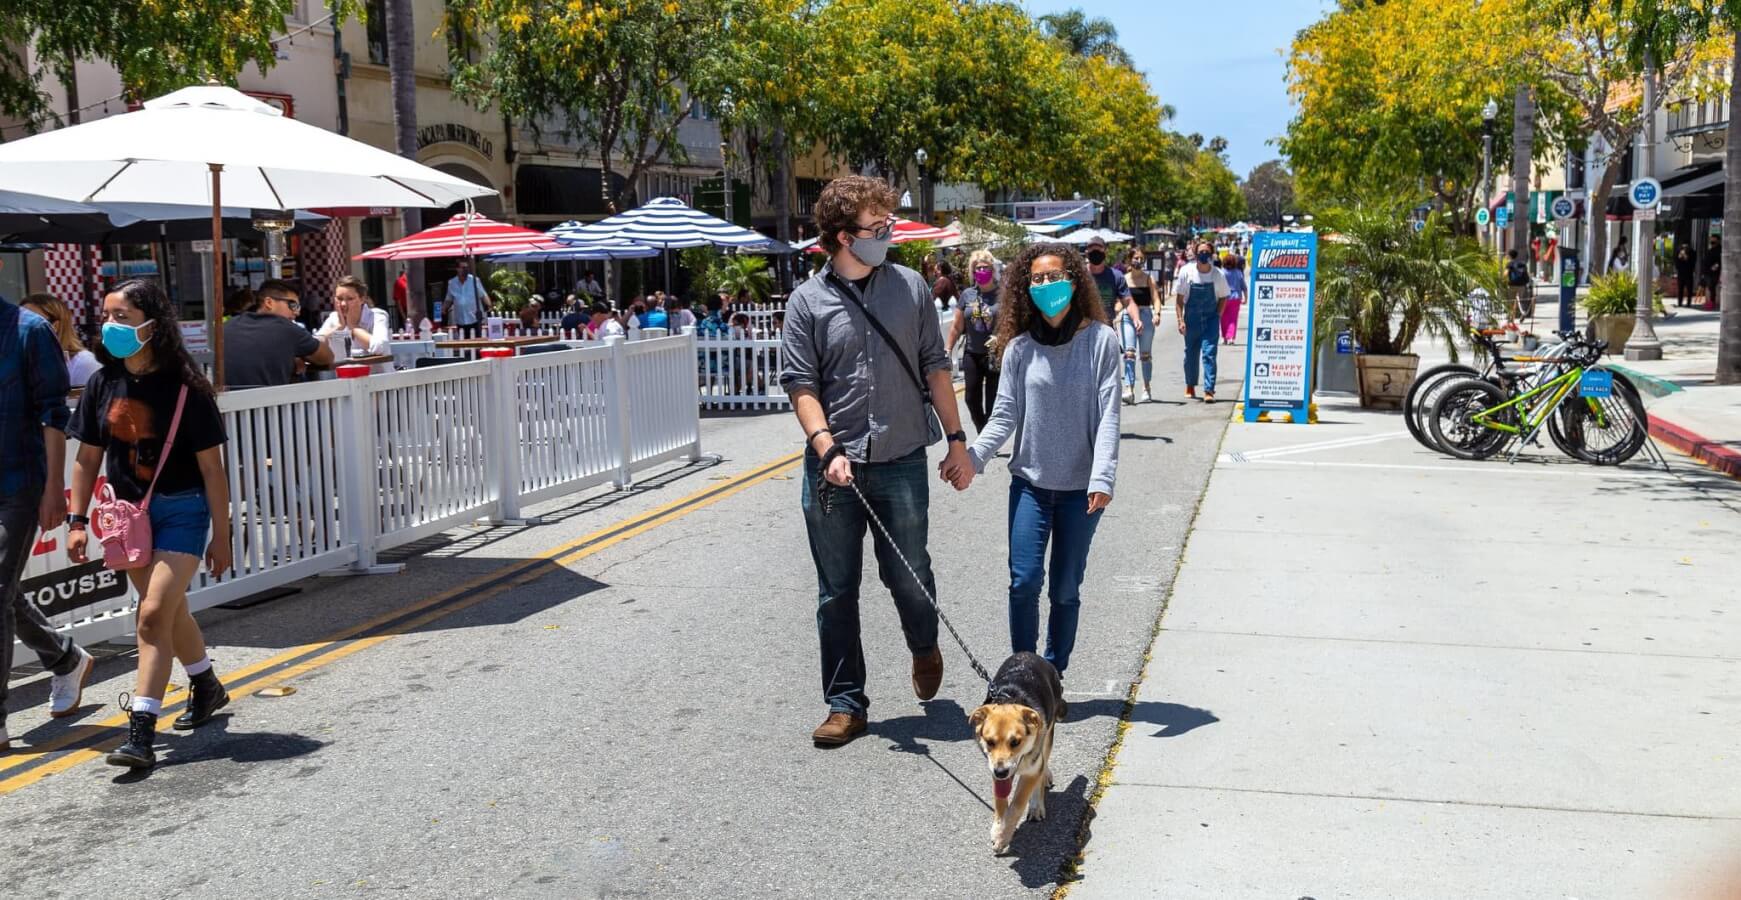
point(666, 223)
point(597, 249)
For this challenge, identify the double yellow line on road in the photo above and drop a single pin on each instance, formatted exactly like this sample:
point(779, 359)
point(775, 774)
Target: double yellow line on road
point(28, 766)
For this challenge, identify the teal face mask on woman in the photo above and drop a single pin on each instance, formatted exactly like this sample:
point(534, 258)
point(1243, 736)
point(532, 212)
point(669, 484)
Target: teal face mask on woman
point(121, 340)
point(1053, 297)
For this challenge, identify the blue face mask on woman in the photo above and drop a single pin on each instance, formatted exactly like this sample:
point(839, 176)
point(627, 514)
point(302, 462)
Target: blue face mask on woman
point(1051, 298)
point(121, 340)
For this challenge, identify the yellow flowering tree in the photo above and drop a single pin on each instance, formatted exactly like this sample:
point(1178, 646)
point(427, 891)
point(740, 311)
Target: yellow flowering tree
point(1390, 96)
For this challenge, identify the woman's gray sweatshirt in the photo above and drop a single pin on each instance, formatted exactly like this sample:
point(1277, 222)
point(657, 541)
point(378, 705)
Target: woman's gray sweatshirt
point(1061, 404)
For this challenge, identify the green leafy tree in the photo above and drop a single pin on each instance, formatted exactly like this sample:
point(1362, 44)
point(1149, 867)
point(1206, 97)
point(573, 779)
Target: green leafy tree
point(617, 76)
point(156, 45)
point(1269, 191)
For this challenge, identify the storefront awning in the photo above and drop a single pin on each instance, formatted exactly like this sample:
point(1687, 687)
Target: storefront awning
point(567, 192)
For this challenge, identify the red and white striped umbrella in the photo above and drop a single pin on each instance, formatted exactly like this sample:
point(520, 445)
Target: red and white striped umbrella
point(909, 230)
point(463, 235)
point(905, 230)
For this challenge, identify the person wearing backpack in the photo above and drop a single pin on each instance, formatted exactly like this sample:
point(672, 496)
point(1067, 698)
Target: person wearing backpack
point(150, 418)
point(1518, 283)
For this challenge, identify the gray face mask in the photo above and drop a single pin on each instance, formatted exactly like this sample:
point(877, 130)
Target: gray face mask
point(869, 251)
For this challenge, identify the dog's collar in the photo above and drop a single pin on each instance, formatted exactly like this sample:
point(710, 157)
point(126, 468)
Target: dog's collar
point(997, 694)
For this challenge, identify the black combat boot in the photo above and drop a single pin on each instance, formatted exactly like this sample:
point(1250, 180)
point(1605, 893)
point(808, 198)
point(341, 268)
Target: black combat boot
point(206, 695)
point(141, 733)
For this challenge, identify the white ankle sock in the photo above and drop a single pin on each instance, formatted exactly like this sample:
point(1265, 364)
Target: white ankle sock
point(147, 705)
point(199, 668)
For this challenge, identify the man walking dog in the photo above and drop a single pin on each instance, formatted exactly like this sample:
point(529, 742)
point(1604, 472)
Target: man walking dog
point(863, 359)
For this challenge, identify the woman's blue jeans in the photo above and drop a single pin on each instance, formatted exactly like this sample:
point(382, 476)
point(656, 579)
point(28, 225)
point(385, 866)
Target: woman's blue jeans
point(1136, 345)
point(1039, 516)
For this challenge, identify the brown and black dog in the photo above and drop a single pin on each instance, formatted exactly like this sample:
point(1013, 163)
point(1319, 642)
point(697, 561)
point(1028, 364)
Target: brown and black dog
point(1023, 705)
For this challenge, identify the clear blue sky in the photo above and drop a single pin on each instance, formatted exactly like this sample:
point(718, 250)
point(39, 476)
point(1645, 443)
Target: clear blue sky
point(1217, 63)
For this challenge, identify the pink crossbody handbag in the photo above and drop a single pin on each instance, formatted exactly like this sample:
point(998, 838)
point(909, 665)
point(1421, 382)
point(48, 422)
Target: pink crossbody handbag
point(125, 529)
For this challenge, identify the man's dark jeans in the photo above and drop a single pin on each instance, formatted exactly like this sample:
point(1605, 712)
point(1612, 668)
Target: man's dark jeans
point(17, 615)
point(899, 494)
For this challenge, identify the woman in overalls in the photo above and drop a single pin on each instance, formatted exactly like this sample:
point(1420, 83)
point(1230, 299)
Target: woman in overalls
point(1199, 292)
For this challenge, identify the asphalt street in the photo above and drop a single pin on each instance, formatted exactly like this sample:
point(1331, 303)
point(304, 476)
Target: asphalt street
point(581, 708)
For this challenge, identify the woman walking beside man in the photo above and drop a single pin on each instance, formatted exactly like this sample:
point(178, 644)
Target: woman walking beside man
point(1059, 399)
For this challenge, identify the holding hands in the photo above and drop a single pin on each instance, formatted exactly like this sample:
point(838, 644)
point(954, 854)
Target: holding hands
point(956, 468)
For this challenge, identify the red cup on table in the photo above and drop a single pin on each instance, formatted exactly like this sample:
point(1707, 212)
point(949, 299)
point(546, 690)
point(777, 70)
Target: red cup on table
point(353, 370)
point(496, 353)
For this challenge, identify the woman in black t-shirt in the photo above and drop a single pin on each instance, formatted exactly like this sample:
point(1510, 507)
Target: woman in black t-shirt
point(122, 421)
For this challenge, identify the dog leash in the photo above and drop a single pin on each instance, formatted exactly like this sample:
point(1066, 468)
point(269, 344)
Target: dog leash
point(916, 579)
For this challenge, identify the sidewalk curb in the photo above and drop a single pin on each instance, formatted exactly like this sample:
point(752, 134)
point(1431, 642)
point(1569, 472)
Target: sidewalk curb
point(1716, 454)
point(1650, 384)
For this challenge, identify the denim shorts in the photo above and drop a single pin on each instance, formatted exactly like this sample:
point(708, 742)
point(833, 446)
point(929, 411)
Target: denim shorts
point(180, 523)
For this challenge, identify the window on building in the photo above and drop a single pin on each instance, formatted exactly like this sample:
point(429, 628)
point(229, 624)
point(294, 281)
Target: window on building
point(462, 45)
point(375, 19)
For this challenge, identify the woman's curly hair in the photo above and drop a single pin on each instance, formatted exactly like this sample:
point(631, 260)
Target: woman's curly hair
point(1016, 309)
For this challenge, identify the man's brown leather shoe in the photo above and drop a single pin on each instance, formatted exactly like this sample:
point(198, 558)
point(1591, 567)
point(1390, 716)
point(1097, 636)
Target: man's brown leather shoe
point(928, 674)
point(839, 728)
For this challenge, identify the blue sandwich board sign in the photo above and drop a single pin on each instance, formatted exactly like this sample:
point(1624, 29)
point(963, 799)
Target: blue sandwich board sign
point(1278, 357)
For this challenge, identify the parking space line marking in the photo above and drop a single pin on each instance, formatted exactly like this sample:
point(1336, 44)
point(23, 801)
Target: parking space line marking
point(39, 761)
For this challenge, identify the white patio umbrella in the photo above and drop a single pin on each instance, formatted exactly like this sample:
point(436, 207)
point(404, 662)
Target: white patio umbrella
point(218, 145)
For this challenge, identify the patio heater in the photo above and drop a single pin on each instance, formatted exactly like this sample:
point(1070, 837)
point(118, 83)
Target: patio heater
point(273, 223)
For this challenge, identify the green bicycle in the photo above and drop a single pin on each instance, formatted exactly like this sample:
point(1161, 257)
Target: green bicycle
point(1604, 423)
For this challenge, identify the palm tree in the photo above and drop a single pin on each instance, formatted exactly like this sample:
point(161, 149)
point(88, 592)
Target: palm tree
point(1522, 151)
point(402, 72)
point(1084, 36)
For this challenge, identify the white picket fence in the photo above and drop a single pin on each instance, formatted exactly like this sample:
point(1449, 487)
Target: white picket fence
point(327, 475)
point(744, 373)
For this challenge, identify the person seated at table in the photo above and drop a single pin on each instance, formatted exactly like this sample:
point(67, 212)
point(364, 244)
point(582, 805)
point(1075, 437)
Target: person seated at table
point(353, 317)
point(264, 346)
point(603, 324)
point(714, 324)
point(681, 316)
point(655, 316)
point(578, 317)
point(529, 315)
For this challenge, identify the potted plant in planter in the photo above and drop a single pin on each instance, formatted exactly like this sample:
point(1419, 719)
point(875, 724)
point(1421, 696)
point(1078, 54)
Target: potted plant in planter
point(1612, 305)
point(511, 292)
point(1392, 284)
point(739, 273)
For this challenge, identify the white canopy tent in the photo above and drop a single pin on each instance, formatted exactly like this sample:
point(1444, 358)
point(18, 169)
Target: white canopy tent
point(218, 146)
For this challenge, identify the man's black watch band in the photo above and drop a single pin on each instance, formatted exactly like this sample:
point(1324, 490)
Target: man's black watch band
point(958, 436)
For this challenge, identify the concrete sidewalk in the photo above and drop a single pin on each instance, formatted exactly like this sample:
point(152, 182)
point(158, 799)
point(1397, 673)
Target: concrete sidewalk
point(1688, 410)
point(1413, 676)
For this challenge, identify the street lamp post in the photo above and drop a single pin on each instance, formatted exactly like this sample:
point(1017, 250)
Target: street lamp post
point(924, 186)
point(1644, 344)
point(1489, 116)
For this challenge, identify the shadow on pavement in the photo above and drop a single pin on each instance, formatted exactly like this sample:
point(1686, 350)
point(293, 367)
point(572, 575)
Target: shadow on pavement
point(1128, 436)
point(1174, 718)
point(1040, 848)
point(214, 741)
